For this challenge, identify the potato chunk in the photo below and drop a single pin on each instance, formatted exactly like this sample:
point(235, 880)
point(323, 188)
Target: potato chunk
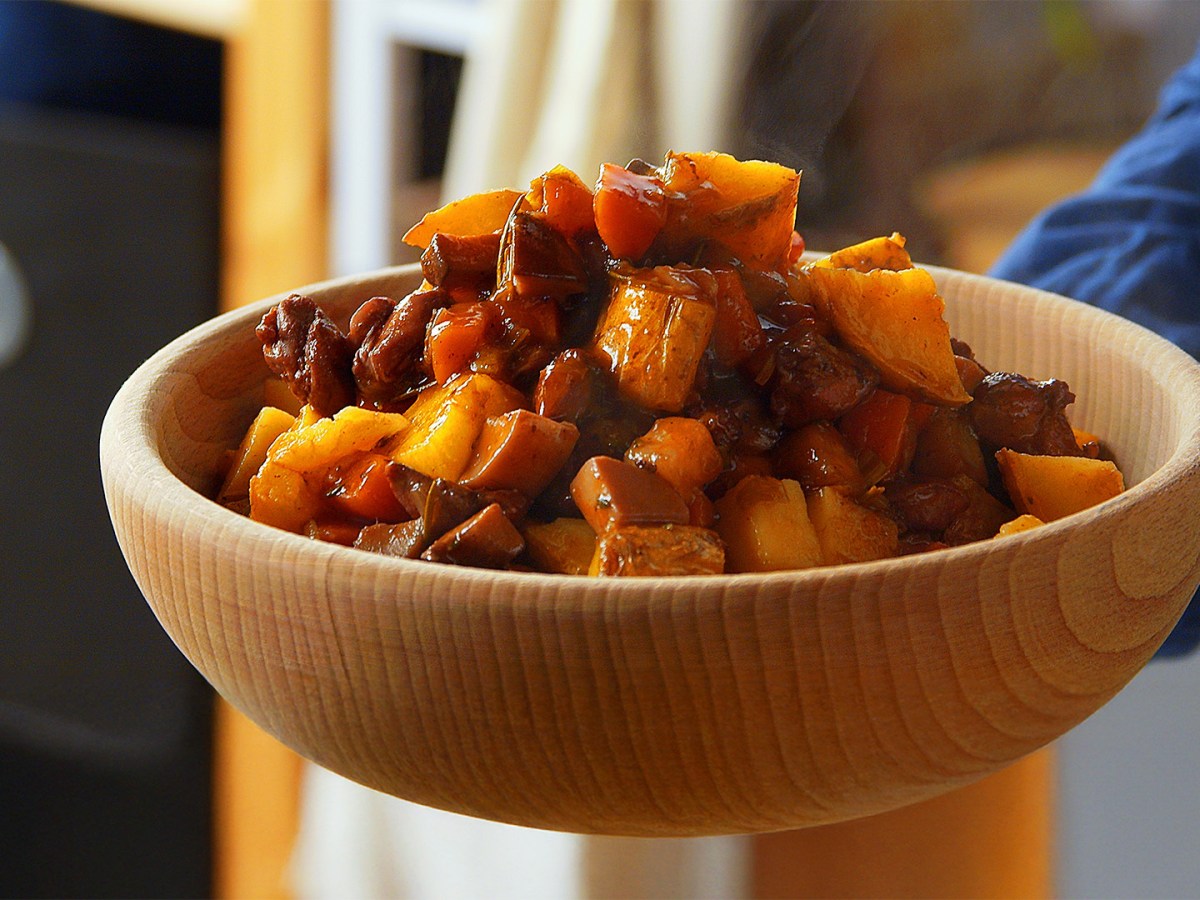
point(446, 421)
point(654, 332)
point(1051, 487)
point(564, 546)
point(896, 321)
point(848, 531)
point(747, 205)
point(648, 550)
point(877, 253)
point(477, 214)
point(268, 425)
point(765, 526)
point(287, 491)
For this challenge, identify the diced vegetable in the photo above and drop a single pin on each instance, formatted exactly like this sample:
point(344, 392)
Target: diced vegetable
point(361, 487)
point(876, 253)
point(895, 320)
point(565, 546)
point(765, 526)
point(287, 490)
point(649, 550)
point(737, 333)
point(654, 331)
point(1021, 523)
point(455, 336)
point(1051, 487)
point(458, 263)
point(681, 451)
point(749, 206)
point(446, 421)
point(563, 200)
point(887, 425)
point(477, 214)
point(269, 424)
point(629, 210)
point(818, 456)
point(487, 540)
point(848, 531)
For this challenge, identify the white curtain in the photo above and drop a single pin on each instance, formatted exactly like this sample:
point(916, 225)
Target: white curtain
point(581, 82)
point(577, 83)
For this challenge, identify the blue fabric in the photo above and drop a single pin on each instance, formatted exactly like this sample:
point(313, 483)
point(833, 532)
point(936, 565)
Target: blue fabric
point(1131, 244)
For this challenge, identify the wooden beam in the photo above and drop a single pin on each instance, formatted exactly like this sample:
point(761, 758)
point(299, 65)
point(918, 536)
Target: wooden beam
point(274, 237)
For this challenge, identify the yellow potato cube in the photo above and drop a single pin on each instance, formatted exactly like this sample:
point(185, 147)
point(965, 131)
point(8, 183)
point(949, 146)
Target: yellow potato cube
point(896, 321)
point(446, 421)
point(877, 253)
point(654, 332)
point(1019, 524)
point(250, 455)
point(1051, 487)
point(747, 205)
point(477, 214)
point(286, 491)
point(765, 526)
point(565, 546)
point(848, 531)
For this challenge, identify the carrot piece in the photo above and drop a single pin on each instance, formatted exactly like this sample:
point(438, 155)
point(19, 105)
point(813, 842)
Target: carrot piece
point(629, 209)
point(361, 488)
point(886, 424)
point(737, 334)
point(455, 335)
point(564, 200)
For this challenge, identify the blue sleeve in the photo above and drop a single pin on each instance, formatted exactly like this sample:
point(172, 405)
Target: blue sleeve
point(1130, 244)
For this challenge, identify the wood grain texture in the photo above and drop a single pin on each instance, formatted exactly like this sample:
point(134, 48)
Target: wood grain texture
point(680, 706)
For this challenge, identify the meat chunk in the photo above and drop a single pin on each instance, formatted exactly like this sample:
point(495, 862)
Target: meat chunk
point(1024, 415)
point(816, 380)
point(612, 493)
point(308, 351)
point(487, 540)
point(390, 336)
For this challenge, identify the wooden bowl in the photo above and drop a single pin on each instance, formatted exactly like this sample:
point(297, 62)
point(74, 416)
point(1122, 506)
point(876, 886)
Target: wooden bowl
point(670, 706)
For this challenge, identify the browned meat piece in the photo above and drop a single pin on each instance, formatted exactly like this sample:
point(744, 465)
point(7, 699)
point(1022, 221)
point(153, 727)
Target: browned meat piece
point(660, 550)
point(461, 263)
point(303, 347)
point(815, 380)
point(410, 487)
point(564, 388)
point(612, 493)
point(519, 451)
point(926, 505)
point(487, 540)
point(390, 338)
point(1027, 416)
point(537, 261)
point(405, 540)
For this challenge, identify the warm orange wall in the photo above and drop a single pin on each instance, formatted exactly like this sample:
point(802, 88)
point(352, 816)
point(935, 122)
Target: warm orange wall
point(993, 839)
point(274, 237)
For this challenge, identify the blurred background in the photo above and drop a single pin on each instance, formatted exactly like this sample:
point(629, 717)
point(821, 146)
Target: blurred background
point(164, 159)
